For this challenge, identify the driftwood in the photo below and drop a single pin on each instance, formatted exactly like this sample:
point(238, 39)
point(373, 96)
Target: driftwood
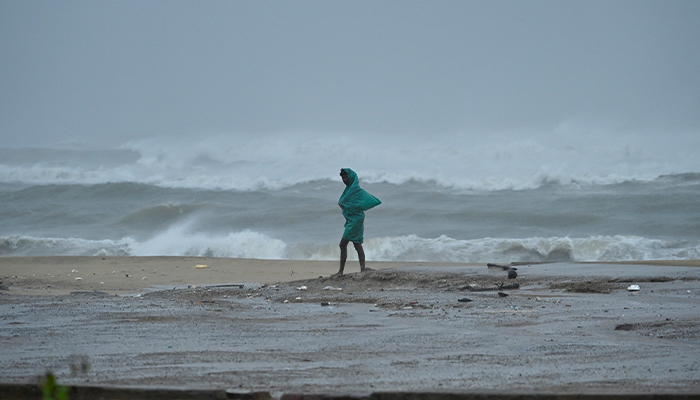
point(511, 271)
point(503, 267)
point(491, 289)
point(233, 285)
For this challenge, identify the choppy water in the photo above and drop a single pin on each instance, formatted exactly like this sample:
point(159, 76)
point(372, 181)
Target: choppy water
point(563, 195)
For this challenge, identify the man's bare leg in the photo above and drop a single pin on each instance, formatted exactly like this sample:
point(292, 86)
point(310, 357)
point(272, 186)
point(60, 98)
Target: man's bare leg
point(360, 255)
point(343, 255)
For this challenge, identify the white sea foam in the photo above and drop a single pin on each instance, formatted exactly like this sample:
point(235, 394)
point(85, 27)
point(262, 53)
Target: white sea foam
point(22, 245)
point(179, 241)
point(249, 244)
point(537, 249)
point(566, 155)
point(245, 244)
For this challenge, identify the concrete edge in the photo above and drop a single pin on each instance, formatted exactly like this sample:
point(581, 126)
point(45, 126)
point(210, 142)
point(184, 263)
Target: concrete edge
point(32, 391)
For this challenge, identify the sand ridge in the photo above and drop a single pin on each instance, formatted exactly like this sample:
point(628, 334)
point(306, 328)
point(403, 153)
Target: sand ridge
point(121, 275)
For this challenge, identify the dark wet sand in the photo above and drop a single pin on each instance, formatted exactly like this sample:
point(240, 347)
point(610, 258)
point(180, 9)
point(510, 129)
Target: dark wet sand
point(569, 328)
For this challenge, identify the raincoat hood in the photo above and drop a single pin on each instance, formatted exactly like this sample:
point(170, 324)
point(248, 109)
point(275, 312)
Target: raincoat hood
point(354, 198)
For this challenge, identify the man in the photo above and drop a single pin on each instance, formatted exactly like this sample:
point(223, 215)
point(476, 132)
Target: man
point(354, 202)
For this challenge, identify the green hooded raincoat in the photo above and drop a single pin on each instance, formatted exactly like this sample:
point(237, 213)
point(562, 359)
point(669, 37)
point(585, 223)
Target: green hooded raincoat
point(354, 202)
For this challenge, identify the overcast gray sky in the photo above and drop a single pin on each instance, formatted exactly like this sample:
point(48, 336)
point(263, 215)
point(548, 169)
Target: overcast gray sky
point(103, 72)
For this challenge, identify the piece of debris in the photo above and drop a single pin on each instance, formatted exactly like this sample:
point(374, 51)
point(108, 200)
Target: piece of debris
point(491, 289)
point(511, 270)
point(232, 285)
point(503, 267)
point(633, 288)
point(201, 266)
point(625, 327)
point(464, 300)
point(332, 288)
point(302, 287)
point(501, 294)
point(93, 293)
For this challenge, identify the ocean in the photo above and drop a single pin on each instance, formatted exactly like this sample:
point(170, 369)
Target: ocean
point(567, 194)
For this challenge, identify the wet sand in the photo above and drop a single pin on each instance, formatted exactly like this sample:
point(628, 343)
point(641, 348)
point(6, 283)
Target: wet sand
point(287, 327)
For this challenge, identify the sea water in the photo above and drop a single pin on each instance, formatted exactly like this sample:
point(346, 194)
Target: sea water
point(568, 194)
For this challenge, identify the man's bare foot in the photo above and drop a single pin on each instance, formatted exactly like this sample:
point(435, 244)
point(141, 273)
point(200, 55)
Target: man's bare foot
point(365, 269)
point(337, 273)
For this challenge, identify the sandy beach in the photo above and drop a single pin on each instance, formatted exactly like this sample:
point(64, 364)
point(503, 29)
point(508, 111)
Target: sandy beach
point(126, 275)
point(288, 327)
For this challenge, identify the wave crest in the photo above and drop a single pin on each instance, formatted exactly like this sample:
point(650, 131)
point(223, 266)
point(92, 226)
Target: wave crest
point(467, 161)
point(506, 250)
point(32, 246)
point(178, 241)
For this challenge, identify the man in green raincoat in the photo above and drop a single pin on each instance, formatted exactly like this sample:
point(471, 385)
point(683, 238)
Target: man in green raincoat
point(354, 202)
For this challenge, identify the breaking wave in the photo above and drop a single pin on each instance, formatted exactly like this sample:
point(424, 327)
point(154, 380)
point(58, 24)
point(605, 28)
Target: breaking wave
point(537, 249)
point(249, 244)
point(171, 243)
point(567, 155)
